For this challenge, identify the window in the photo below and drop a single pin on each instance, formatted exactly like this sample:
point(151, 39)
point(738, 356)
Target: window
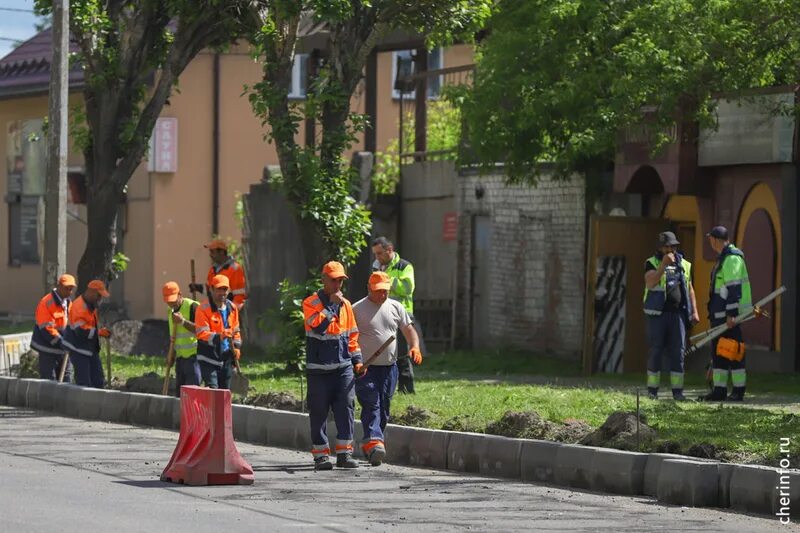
point(26, 170)
point(299, 76)
point(406, 59)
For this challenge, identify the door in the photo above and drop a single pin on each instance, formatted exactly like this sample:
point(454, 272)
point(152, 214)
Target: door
point(481, 279)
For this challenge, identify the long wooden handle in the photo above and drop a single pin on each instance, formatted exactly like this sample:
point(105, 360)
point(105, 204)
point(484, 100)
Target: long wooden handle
point(194, 281)
point(379, 351)
point(108, 360)
point(63, 368)
point(170, 360)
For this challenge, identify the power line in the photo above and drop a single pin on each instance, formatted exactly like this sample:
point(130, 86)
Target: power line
point(11, 39)
point(16, 9)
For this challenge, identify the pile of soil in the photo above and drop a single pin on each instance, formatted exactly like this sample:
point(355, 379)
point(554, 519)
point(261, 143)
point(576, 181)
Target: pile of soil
point(414, 416)
point(150, 383)
point(284, 401)
point(28, 366)
point(135, 337)
point(619, 431)
point(521, 425)
point(703, 451)
point(461, 423)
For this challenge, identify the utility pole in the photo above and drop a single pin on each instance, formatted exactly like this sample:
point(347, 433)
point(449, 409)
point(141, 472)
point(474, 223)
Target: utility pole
point(55, 225)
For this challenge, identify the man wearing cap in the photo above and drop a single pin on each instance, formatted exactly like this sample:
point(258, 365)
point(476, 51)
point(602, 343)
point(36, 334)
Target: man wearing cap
point(379, 318)
point(332, 357)
point(219, 339)
point(671, 309)
point(225, 265)
point(82, 337)
point(401, 273)
point(52, 315)
point(182, 313)
point(729, 295)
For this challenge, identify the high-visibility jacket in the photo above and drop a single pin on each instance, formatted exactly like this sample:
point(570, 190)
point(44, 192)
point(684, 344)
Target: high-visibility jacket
point(235, 274)
point(185, 340)
point(729, 293)
point(402, 274)
point(52, 315)
point(209, 326)
point(331, 334)
point(656, 298)
point(81, 335)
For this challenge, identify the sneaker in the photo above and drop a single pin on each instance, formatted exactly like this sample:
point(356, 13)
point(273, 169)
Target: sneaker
point(323, 463)
point(376, 455)
point(345, 460)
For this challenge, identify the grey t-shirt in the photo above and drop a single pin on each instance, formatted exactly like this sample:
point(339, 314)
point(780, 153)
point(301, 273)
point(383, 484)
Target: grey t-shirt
point(376, 323)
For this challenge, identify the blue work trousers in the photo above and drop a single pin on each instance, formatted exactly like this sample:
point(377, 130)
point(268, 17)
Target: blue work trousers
point(88, 370)
point(187, 372)
point(374, 392)
point(217, 377)
point(666, 338)
point(332, 390)
point(50, 366)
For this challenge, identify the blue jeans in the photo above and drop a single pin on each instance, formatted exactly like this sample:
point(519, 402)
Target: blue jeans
point(50, 366)
point(217, 377)
point(374, 392)
point(187, 372)
point(332, 390)
point(88, 370)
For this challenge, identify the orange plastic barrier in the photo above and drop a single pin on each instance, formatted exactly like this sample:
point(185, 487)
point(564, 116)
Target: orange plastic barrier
point(206, 453)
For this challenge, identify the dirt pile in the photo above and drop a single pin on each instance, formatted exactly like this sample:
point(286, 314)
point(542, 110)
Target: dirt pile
point(572, 431)
point(414, 416)
point(619, 431)
point(521, 425)
point(284, 401)
point(135, 337)
point(149, 383)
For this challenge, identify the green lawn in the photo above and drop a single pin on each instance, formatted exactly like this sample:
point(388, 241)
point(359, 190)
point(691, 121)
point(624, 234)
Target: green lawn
point(7, 328)
point(478, 388)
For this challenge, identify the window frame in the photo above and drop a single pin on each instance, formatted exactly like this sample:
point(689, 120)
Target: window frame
point(411, 95)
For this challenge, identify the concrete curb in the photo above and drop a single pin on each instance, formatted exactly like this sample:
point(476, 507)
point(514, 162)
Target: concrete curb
point(671, 478)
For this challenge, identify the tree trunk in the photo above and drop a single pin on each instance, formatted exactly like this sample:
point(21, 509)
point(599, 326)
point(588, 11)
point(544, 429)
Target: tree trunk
point(102, 205)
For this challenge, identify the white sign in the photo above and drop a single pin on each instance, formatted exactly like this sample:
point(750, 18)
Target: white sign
point(752, 130)
point(164, 146)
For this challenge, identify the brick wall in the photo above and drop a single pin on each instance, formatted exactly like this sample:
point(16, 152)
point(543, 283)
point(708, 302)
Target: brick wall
point(537, 267)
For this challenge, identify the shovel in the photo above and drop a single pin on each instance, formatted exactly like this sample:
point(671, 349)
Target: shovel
point(240, 385)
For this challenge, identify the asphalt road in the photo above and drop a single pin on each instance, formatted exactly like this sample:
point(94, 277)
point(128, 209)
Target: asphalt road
point(62, 474)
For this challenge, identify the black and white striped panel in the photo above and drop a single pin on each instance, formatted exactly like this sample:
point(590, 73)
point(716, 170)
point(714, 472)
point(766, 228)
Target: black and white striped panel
point(609, 314)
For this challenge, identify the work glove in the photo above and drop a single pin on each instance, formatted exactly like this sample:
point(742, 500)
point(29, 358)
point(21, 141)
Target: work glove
point(359, 369)
point(227, 333)
point(104, 332)
point(415, 356)
point(237, 354)
point(196, 287)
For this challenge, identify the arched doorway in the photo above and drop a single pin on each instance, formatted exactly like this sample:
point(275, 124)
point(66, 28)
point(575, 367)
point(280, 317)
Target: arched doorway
point(646, 182)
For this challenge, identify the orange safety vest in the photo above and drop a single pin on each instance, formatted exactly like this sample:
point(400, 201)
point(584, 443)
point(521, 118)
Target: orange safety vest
point(235, 274)
point(81, 335)
point(209, 326)
point(52, 315)
point(331, 334)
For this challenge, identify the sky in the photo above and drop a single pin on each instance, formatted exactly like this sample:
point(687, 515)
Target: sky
point(20, 25)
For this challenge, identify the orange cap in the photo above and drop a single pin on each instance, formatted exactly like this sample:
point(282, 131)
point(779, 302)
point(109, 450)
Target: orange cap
point(220, 281)
point(67, 280)
point(217, 244)
point(100, 287)
point(170, 290)
point(380, 281)
point(334, 270)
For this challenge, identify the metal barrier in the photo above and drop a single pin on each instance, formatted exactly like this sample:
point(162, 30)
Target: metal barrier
point(11, 349)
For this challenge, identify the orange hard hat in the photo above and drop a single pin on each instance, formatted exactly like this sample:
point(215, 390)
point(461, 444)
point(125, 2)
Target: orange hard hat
point(380, 281)
point(334, 270)
point(100, 287)
point(217, 244)
point(67, 280)
point(170, 291)
point(220, 281)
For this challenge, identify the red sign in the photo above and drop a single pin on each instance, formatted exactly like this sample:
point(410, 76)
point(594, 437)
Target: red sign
point(165, 145)
point(450, 227)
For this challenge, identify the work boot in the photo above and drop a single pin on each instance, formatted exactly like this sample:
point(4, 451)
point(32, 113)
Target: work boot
point(323, 463)
point(376, 455)
point(345, 460)
point(717, 395)
point(677, 395)
point(652, 393)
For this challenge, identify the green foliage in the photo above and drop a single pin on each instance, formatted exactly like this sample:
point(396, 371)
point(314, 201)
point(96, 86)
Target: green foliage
point(286, 322)
point(443, 133)
point(557, 80)
point(119, 264)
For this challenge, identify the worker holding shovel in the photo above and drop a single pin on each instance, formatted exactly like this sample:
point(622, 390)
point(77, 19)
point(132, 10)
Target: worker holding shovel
point(379, 318)
point(82, 336)
point(183, 353)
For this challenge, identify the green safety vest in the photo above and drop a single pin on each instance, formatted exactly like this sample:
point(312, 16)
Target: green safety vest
point(401, 273)
point(185, 340)
point(730, 285)
point(655, 298)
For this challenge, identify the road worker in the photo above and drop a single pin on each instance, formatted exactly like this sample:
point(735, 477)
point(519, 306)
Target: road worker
point(729, 296)
point(402, 274)
point(219, 339)
point(671, 308)
point(225, 265)
point(332, 357)
point(182, 316)
point(378, 319)
point(82, 336)
point(52, 315)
